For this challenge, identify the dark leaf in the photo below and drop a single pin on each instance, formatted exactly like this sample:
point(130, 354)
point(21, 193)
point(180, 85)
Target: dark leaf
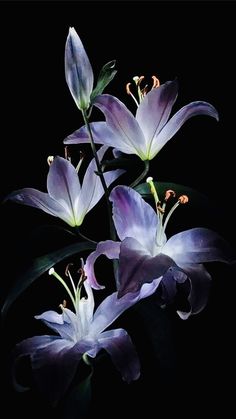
point(39, 266)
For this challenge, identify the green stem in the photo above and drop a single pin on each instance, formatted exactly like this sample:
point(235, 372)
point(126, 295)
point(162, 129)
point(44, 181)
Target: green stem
point(142, 176)
point(100, 174)
point(83, 236)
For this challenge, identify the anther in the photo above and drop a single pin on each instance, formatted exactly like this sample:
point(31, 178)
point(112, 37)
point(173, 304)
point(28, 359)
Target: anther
point(50, 160)
point(128, 91)
point(67, 155)
point(67, 270)
point(183, 199)
point(169, 194)
point(156, 82)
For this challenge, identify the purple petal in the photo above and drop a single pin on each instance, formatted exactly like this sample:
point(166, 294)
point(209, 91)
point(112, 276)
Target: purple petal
point(137, 267)
point(112, 307)
point(102, 134)
point(198, 245)
point(63, 186)
point(154, 110)
point(129, 136)
point(78, 70)
point(92, 189)
point(60, 323)
point(108, 248)
point(122, 351)
point(133, 217)
point(36, 199)
point(200, 281)
point(176, 122)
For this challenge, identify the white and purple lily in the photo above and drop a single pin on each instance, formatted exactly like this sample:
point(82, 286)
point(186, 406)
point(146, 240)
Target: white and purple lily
point(66, 198)
point(54, 359)
point(147, 132)
point(145, 254)
point(78, 71)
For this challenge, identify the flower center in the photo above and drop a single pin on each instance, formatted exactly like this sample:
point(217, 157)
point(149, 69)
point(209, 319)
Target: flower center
point(141, 92)
point(163, 216)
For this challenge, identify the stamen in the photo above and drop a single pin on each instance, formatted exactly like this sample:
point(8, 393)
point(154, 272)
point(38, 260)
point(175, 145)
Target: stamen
point(55, 274)
point(156, 82)
point(67, 154)
point(50, 160)
point(128, 91)
point(153, 191)
point(67, 273)
point(183, 199)
point(82, 155)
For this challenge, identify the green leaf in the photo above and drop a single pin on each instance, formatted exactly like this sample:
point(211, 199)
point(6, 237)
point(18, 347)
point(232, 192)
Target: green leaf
point(38, 267)
point(106, 75)
point(119, 163)
point(195, 198)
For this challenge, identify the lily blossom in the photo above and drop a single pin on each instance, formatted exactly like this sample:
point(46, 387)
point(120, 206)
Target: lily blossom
point(66, 198)
point(54, 359)
point(145, 254)
point(150, 129)
point(78, 70)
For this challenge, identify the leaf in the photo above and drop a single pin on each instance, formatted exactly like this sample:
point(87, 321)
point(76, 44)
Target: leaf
point(39, 266)
point(78, 402)
point(119, 163)
point(106, 75)
point(195, 198)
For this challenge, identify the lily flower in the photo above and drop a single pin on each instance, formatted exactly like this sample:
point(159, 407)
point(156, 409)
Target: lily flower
point(150, 129)
point(78, 70)
point(66, 198)
point(80, 334)
point(145, 254)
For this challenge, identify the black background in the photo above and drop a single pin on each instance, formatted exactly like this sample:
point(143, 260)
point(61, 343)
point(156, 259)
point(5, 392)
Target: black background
point(189, 366)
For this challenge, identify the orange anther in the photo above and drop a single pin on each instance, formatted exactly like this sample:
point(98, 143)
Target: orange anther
point(169, 194)
point(183, 199)
point(128, 91)
point(156, 82)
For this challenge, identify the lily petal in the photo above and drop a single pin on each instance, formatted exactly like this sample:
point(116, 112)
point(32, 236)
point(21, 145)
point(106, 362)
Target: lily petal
point(112, 307)
point(198, 245)
point(136, 267)
point(108, 248)
point(133, 217)
point(41, 200)
point(123, 123)
point(101, 132)
point(177, 120)
point(200, 281)
point(63, 185)
point(92, 189)
point(154, 110)
point(122, 351)
point(60, 323)
point(78, 70)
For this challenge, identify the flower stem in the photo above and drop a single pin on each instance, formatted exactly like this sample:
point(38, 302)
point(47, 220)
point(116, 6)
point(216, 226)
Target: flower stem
point(142, 175)
point(100, 174)
point(84, 237)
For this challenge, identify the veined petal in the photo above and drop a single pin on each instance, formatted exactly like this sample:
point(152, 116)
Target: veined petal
point(200, 281)
point(154, 110)
point(198, 245)
point(133, 217)
point(108, 248)
point(85, 309)
point(92, 189)
point(41, 200)
point(177, 120)
point(123, 123)
point(112, 307)
point(64, 325)
point(102, 134)
point(137, 267)
point(122, 351)
point(64, 186)
point(78, 70)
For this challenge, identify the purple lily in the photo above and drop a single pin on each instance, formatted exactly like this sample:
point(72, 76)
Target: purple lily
point(144, 252)
point(147, 132)
point(66, 198)
point(54, 359)
point(78, 70)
